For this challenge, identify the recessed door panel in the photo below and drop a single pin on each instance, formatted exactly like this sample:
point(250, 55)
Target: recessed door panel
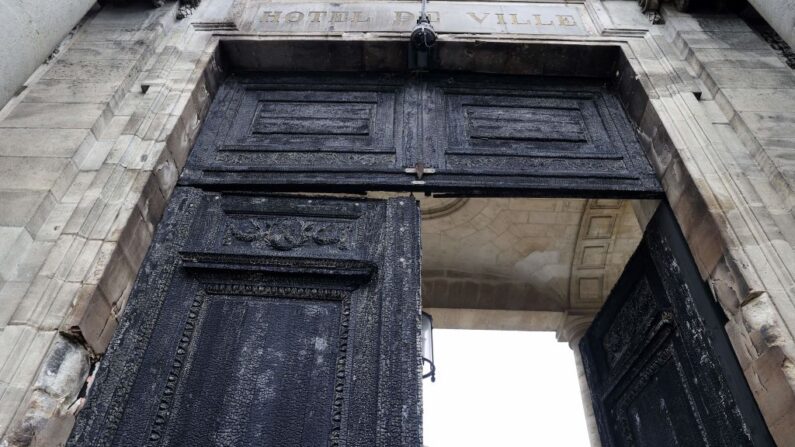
point(659, 364)
point(267, 320)
point(451, 133)
point(513, 133)
point(274, 129)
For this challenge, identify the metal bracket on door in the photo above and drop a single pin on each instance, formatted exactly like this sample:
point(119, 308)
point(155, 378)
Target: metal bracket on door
point(419, 170)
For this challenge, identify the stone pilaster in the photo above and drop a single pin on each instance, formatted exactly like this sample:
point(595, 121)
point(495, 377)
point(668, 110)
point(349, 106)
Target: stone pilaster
point(571, 330)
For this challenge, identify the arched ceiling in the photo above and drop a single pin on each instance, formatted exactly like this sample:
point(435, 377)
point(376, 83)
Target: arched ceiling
point(524, 253)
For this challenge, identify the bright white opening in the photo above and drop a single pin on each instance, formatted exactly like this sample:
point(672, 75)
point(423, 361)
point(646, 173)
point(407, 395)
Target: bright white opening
point(502, 389)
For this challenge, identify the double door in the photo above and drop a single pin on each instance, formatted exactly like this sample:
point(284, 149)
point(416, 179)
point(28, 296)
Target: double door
point(451, 133)
point(260, 319)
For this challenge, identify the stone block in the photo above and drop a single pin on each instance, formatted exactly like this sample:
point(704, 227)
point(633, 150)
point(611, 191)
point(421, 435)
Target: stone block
point(11, 294)
point(32, 259)
point(654, 136)
point(30, 173)
point(82, 262)
point(83, 50)
point(763, 78)
point(766, 378)
point(24, 351)
point(92, 157)
point(114, 128)
point(72, 91)
point(105, 226)
point(762, 321)
point(89, 317)
point(14, 243)
point(55, 430)
point(42, 142)
point(53, 116)
point(152, 204)
point(17, 207)
point(65, 179)
point(107, 333)
point(770, 125)
point(104, 73)
point(166, 173)
point(41, 214)
point(633, 88)
point(80, 186)
point(135, 238)
point(117, 280)
point(724, 23)
point(706, 243)
point(743, 348)
point(56, 221)
point(757, 100)
point(748, 59)
point(58, 383)
point(100, 263)
point(33, 309)
point(723, 40)
point(64, 256)
point(61, 304)
point(729, 287)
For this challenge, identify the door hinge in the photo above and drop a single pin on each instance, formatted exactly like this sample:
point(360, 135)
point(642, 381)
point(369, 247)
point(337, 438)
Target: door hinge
point(419, 170)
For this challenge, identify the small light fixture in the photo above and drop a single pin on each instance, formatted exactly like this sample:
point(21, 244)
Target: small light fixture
point(427, 348)
point(423, 38)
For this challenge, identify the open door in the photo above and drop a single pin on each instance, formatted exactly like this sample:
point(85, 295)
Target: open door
point(658, 361)
point(267, 320)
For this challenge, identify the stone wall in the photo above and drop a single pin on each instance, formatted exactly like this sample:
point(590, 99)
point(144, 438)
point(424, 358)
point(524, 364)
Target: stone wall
point(91, 150)
point(31, 31)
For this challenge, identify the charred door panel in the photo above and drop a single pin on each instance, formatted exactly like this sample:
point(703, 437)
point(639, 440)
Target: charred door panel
point(267, 320)
point(658, 362)
point(440, 133)
point(509, 134)
point(272, 130)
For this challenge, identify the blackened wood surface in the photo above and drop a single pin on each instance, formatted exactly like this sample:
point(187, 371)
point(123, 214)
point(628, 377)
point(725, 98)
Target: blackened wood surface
point(267, 320)
point(473, 134)
point(658, 361)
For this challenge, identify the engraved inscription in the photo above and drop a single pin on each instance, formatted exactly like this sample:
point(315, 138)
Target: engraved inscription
point(452, 16)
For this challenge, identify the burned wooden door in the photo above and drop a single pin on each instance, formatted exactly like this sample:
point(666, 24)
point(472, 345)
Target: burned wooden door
point(267, 321)
point(445, 133)
point(658, 362)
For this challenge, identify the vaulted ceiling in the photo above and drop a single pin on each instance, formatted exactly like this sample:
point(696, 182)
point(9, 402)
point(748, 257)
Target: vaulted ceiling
point(524, 253)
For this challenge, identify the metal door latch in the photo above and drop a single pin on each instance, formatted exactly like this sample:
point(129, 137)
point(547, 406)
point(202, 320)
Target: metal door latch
point(419, 170)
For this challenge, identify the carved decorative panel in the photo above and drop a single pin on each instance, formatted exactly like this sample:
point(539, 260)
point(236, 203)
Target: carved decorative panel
point(443, 133)
point(523, 133)
point(659, 365)
point(271, 129)
point(267, 320)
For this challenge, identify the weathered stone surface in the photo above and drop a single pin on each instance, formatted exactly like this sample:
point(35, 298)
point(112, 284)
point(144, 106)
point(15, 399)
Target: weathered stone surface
point(17, 207)
point(32, 29)
point(71, 90)
point(30, 173)
point(53, 116)
point(781, 16)
point(55, 388)
point(26, 142)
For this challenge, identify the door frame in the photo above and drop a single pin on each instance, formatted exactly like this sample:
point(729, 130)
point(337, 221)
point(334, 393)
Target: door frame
point(631, 84)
